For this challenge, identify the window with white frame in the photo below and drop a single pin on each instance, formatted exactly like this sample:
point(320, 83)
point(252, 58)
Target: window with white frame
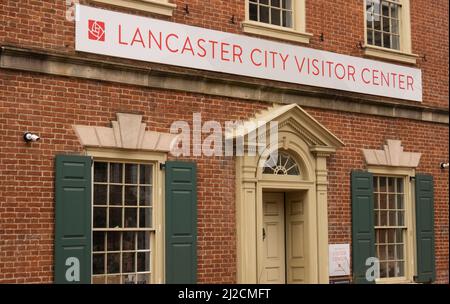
point(123, 231)
point(281, 163)
point(383, 23)
point(275, 12)
point(390, 225)
point(281, 19)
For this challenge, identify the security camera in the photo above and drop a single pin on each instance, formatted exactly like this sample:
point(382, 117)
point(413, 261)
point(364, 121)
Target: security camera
point(29, 137)
point(444, 165)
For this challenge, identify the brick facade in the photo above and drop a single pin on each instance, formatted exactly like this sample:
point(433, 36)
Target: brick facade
point(50, 105)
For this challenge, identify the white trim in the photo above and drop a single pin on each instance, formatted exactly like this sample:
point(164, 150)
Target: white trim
point(155, 158)
point(410, 254)
point(404, 54)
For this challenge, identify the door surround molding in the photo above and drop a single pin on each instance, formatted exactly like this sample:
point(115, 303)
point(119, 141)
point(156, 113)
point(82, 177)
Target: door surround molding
point(311, 143)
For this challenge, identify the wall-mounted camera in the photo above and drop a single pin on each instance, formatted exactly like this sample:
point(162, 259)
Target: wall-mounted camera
point(30, 137)
point(444, 165)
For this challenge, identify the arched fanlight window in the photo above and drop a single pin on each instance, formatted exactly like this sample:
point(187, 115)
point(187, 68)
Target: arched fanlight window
point(281, 163)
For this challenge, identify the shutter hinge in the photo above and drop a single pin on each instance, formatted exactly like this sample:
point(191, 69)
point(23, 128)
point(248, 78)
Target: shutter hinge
point(162, 166)
point(412, 178)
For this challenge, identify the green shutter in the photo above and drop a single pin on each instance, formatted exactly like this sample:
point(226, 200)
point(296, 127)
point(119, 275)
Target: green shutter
point(425, 229)
point(363, 230)
point(181, 223)
point(73, 219)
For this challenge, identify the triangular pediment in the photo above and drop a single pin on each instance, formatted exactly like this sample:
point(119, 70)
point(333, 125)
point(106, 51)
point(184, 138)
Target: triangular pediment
point(289, 118)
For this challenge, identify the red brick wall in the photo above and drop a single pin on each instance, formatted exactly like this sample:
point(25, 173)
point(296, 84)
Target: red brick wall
point(50, 106)
point(42, 25)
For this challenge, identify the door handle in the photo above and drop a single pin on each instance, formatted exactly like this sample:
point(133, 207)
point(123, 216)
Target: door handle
point(264, 234)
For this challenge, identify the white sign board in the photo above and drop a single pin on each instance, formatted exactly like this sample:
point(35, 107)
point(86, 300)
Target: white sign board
point(122, 35)
point(339, 259)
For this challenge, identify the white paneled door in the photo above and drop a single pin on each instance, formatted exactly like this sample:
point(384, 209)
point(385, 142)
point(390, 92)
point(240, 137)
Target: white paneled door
point(283, 238)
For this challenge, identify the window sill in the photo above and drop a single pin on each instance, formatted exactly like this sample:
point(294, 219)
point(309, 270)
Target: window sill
point(152, 6)
point(274, 31)
point(388, 54)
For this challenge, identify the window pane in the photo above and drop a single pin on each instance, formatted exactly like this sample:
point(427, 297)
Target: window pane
point(401, 218)
point(376, 6)
point(115, 217)
point(145, 217)
point(131, 172)
point(264, 2)
point(400, 203)
point(253, 12)
point(100, 194)
point(391, 183)
point(377, 42)
point(99, 217)
point(400, 271)
point(115, 195)
point(383, 255)
point(369, 37)
point(396, 42)
point(386, 25)
point(383, 270)
point(130, 195)
point(145, 196)
point(399, 235)
point(98, 242)
point(128, 260)
point(115, 173)
point(377, 22)
point(276, 16)
point(391, 236)
point(387, 40)
point(391, 252)
point(383, 218)
point(382, 235)
point(400, 252)
point(146, 174)
point(143, 241)
point(391, 269)
point(275, 3)
point(100, 172)
point(287, 4)
point(383, 201)
point(399, 185)
point(377, 218)
point(113, 241)
point(98, 264)
point(143, 278)
point(129, 279)
point(392, 218)
point(128, 241)
point(394, 11)
point(376, 197)
point(382, 184)
point(385, 9)
point(113, 263)
point(287, 19)
point(130, 217)
point(264, 14)
point(143, 261)
point(391, 198)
